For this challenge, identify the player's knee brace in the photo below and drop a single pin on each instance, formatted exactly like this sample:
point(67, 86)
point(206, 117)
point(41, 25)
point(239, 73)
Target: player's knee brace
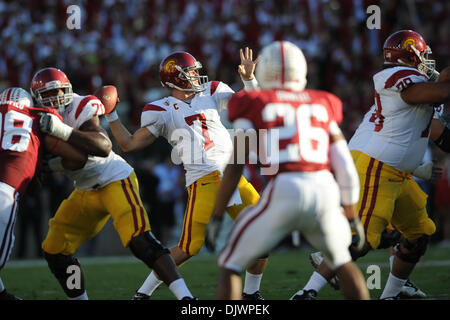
point(389, 239)
point(147, 248)
point(411, 251)
point(58, 264)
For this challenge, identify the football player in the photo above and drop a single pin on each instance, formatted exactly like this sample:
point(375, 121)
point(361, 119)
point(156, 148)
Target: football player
point(106, 186)
point(21, 150)
point(189, 120)
point(390, 236)
point(310, 146)
point(406, 97)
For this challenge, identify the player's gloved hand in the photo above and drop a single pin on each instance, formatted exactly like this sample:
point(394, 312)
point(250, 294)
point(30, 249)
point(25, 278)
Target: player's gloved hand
point(212, 233)
point(358, 236)
point(51, 124)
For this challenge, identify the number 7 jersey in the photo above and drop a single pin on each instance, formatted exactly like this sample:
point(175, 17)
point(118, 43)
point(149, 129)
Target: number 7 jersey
point(194, 129)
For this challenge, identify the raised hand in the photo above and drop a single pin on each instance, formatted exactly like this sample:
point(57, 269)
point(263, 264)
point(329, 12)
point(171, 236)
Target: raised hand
point(247, 66)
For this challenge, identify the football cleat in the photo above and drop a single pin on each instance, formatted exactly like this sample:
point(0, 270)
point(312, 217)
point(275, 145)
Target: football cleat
point(140, 296)
point(189, 298)
point(316, 259)
point(4, 295)
point(306, 295)
point(391, 298)
point(254, 296)
point(411, 291)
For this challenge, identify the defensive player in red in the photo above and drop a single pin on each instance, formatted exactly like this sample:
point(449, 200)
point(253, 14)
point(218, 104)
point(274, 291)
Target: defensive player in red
point(302, 195)
point(21, 150)
point(408, 93)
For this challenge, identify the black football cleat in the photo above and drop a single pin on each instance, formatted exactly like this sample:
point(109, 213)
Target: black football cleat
point(254, 296)
point(189, 298)
point(140, 296)
point(306, 295)
point(4, 295)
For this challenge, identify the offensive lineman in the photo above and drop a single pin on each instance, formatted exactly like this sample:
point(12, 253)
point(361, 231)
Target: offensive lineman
point(106, 186)
point(190, 121)
point(21, 149)
point(310, 145)
point(405, 100)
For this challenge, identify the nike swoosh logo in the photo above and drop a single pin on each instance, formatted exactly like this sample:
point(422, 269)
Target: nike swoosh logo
point(204, 184)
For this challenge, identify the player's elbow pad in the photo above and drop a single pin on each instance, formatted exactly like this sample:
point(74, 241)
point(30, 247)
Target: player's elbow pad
point(345, 172)
point(443, 142)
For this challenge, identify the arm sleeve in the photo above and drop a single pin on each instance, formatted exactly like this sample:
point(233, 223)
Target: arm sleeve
point(221, 93)
point(88, 108)
point(251, 84)
point(344, 170)
point(336, 107)
point(152, 118)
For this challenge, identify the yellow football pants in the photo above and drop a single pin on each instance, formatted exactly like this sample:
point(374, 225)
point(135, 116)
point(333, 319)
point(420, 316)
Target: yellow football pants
point(202, 196)
point(389, 196)
point(82, 216)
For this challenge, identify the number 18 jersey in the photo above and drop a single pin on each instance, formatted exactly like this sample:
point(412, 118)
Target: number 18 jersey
point(20, 141)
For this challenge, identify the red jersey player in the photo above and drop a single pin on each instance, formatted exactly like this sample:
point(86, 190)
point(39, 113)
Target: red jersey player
point(20, 155)
point(303, 194)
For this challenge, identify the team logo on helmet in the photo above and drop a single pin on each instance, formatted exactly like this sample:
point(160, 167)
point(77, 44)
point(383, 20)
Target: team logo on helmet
point(408, 43)
point(170, 66)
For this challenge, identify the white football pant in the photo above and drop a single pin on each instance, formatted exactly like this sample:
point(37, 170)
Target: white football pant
point(305, 201)
point(8, 212)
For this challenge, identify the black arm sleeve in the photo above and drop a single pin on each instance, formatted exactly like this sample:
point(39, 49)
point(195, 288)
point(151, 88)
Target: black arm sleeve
point(443, 142)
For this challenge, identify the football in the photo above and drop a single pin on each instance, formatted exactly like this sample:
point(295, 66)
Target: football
point(108, 96)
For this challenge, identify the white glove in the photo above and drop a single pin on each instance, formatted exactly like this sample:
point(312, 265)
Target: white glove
point(424, 171)
point(52, 125)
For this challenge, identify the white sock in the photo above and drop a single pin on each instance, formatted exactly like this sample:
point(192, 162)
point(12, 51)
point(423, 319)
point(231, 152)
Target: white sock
point(150, 284)
point(316, 282)
point(393, 286)
point(252, 282)
point(81, 297)
point(2, 287)
point(391, 261)
point(179, 289)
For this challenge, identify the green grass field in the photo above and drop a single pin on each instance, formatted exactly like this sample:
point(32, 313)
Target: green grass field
point(117, 278)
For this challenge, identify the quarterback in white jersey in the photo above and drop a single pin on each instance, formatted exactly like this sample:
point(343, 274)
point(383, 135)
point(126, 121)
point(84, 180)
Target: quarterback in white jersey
point(392, 141)
point(105, 187)
point(189, 120)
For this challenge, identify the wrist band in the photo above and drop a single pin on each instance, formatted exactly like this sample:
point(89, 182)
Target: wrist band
point(113, 116)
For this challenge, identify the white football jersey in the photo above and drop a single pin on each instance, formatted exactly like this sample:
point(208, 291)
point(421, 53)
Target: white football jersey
point(194, 129)
point(98, 171)
point(399, 131)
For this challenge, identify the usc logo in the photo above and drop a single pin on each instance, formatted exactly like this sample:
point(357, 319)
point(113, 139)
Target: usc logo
point(407, 43)
point(170, 66)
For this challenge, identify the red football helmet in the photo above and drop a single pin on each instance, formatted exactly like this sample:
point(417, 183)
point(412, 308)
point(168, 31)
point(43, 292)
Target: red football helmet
point(407, 47)
point(175, 72)
point(50, 79)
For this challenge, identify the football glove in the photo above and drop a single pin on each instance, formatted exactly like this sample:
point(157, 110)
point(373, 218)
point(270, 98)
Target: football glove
point(358, 236)
point(212, 233)
point(51, 124)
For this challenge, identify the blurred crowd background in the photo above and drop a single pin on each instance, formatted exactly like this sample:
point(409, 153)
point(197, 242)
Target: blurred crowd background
point(122, 42)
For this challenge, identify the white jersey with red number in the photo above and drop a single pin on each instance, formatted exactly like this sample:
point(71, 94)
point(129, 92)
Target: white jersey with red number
point(364, 131)
point(400, 131)
point(98, 171)
point(194, 129)
point(304, 121)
